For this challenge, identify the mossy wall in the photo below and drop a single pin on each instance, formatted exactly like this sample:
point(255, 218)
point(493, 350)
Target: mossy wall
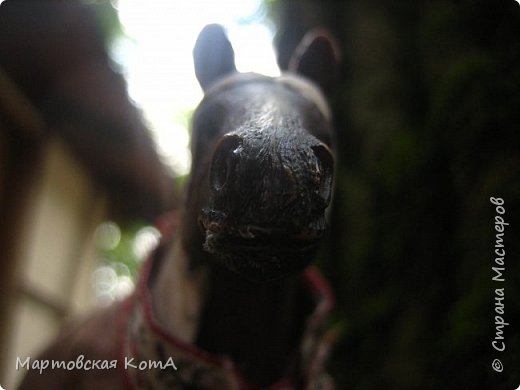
point(428, 116)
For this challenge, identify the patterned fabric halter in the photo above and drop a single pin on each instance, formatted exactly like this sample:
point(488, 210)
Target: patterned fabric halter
point(154, 359)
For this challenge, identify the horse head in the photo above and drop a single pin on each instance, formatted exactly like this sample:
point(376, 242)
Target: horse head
point(262, 159)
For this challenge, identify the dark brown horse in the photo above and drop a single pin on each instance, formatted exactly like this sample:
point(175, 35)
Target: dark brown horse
point(229, 300)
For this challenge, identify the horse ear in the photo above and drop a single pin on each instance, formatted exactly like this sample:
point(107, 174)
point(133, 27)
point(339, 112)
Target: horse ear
point(213, 55)
point(316, 57)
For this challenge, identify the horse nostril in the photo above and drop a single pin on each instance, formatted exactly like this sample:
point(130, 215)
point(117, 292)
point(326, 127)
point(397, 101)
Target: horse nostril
point(325, 170)
point(223, 162)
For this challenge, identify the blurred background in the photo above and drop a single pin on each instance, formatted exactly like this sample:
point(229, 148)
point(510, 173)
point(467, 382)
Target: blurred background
point(95, 103)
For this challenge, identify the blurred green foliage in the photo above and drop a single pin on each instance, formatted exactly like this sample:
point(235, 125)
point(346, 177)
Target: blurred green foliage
point(123, 253)
point(108, 18)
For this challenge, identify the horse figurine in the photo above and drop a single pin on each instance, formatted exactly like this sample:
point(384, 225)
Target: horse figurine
point(228, 300)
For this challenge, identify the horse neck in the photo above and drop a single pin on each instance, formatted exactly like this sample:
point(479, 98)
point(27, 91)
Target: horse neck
point(255, 324)
point(178, 293)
